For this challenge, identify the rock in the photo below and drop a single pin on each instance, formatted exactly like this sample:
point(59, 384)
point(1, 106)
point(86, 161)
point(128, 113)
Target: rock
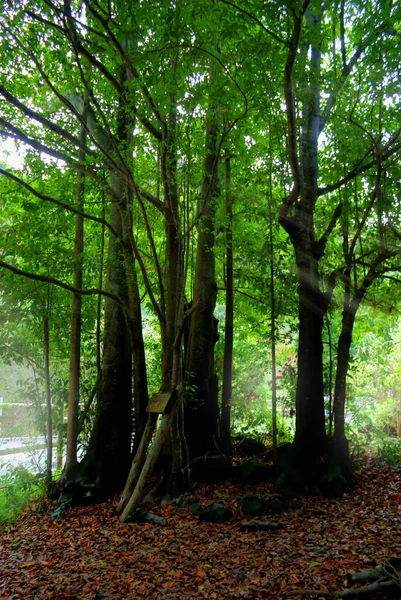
point(255, 525)
point(194, 506)
point(290, 483)
point(281, 450)
point(333, 482)
point(252, 472)
point(212, 468)
point(215, 513)
point(142, 514)
point(250, 446)
point(258, 506)
point(181, 502)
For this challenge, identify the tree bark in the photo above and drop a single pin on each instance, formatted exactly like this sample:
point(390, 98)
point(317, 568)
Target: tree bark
point(76, 318)
point(343, 357)
point(225, 428)
point(106, 462)
point(138, 462)
point(201, 405)
point(49, 420)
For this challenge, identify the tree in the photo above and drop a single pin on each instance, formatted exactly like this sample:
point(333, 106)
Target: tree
point(299, 215)
point(202, 409)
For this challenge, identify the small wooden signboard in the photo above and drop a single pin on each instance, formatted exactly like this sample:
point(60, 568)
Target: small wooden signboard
point(158, 402)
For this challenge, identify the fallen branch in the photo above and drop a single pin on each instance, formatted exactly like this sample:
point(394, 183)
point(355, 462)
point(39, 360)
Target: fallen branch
point(386, 578)
point(384, 586)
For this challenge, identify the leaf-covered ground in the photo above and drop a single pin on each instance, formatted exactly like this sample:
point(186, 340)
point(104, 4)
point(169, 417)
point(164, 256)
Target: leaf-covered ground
point(89, 554)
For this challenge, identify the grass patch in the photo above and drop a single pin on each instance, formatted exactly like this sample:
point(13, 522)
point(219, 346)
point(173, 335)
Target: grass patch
point(17, 489)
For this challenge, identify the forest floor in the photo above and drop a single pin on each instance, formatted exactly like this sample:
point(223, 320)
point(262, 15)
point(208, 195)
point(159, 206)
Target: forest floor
point(89, 554)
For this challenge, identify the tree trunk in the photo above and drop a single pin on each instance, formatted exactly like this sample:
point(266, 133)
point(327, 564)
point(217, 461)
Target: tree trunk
point(49, 420)
point(141, 397)
point(343, 355)
point(201, 404)
point(225, 429)
point(272, 313)
point(301, 467)
point(138, 462)
point(171, 481)
point(106, 462)
point(76, 319)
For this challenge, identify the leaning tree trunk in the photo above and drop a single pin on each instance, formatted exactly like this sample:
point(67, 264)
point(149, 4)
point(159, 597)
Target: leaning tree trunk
point(201, 403)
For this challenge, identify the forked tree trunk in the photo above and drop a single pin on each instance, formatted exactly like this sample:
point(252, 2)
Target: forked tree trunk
point(302, 466)
point(142, 474)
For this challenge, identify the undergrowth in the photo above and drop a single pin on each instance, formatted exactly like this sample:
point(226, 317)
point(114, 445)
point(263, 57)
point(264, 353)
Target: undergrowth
point(17, 489)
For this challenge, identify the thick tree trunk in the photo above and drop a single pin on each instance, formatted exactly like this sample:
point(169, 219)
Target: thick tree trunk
point(201, 404)
point(106, 462)
point(309, 460)
point(310, 423)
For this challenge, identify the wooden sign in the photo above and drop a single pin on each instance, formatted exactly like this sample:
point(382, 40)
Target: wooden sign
point(158, 402)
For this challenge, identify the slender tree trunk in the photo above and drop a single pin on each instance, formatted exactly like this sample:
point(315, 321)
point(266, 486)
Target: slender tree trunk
point(229, 320)
point(100, 299)
point(141, 398)
point(49, 431)
point(76, 319)
point(343, 357)
point(138, 462)
point(60, 438)
point(272, 314)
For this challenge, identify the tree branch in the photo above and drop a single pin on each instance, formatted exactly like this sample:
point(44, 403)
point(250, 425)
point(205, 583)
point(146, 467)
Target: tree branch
point(57, 202)
point(133, 72)
point(291, 120)
point(258, 21)
point(20, 135)
point(46, 122)
point(61, 284)
point(336, 215)
point(359, 169)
